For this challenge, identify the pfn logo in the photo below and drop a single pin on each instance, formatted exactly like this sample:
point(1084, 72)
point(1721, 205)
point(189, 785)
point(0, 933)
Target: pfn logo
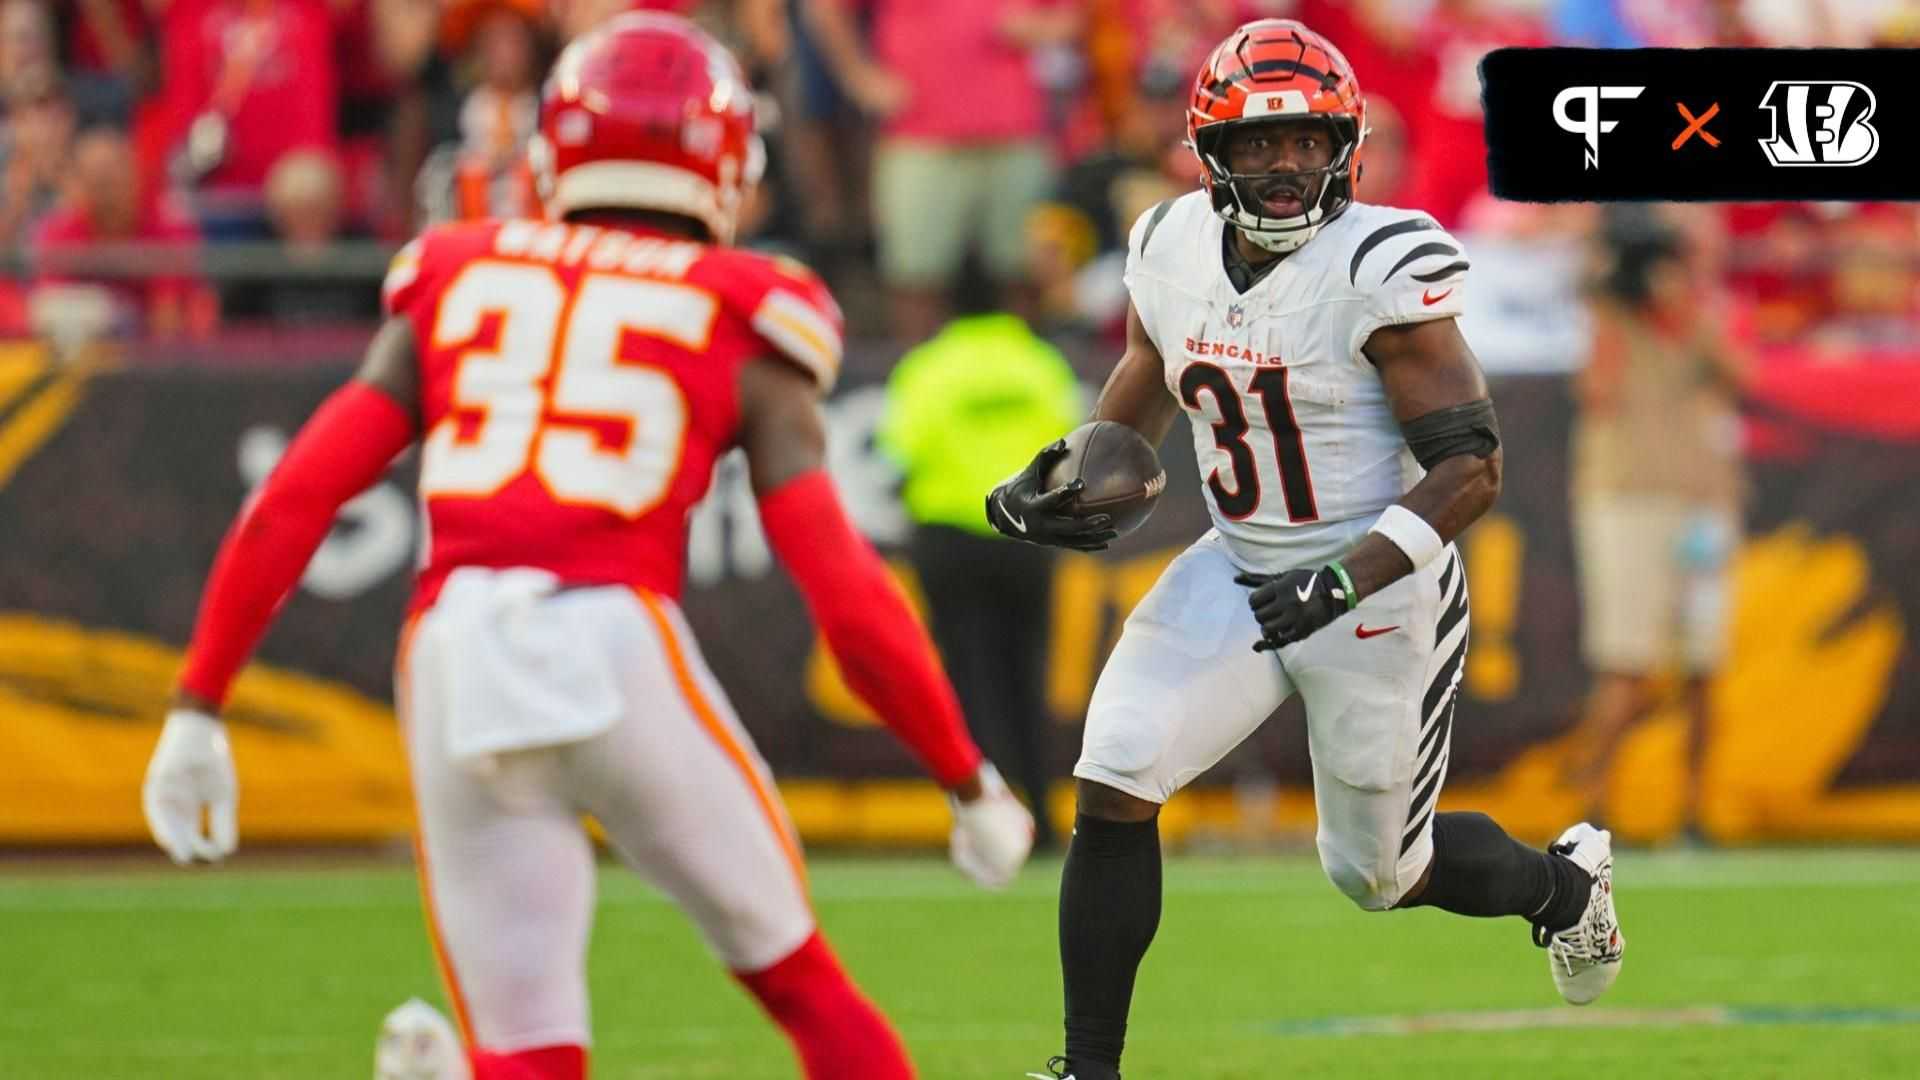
point(1589, 125)
point(1826, 124)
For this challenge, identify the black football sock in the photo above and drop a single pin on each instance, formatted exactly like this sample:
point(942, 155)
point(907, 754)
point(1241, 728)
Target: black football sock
point(1479, 870)
point(1109, 910)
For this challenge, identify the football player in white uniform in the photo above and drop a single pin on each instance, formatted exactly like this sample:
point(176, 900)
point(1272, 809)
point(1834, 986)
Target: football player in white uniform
point(1346, 437)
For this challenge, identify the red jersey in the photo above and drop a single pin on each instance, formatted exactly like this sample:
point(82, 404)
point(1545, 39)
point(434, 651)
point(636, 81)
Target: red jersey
point(577, 384)
point(266, 68)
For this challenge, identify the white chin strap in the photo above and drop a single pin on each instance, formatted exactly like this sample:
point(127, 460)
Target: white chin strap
point(1293, 233)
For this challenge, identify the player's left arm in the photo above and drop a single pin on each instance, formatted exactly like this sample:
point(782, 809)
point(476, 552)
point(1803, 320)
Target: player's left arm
point(343, 449)
point(884, 653)
point(1439, 396)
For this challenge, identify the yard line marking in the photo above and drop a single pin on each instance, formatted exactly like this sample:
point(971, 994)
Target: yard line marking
point(1494, 1020)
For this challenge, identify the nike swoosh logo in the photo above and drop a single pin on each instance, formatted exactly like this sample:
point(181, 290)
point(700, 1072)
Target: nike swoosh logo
point(1427, 297)
point(1365, 632)
point(1018, 523)
point(1306, 591)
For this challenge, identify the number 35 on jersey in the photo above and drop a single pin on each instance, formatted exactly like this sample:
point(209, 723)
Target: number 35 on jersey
point(557, 373)
point(578, 383)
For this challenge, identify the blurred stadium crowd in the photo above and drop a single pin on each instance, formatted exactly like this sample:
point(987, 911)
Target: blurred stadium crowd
point(173, 167)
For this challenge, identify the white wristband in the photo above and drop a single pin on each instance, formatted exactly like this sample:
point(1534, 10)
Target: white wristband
point(1410, 533)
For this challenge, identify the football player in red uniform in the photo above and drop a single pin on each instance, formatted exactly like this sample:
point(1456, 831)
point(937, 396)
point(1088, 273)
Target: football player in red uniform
point(571, 383)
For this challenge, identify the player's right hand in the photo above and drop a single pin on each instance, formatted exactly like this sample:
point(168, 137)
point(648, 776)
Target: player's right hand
point(992, 835)
point(191, 772)
point(1021, 509)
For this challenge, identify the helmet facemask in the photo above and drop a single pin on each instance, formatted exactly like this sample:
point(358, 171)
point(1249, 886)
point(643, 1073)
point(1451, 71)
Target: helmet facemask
point(1325, 192)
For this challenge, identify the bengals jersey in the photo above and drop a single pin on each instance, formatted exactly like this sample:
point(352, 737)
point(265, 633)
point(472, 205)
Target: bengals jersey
point(577, 384)
point(1298, 447)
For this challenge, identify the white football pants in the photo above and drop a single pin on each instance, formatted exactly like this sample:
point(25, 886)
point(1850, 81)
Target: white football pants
point(1184, 686)
point(676, 783)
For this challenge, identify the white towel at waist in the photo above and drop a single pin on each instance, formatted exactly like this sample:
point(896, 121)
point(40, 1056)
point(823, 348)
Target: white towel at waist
point(522, 668)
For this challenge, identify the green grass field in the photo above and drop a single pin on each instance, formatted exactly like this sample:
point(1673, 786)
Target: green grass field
point(1776, 964)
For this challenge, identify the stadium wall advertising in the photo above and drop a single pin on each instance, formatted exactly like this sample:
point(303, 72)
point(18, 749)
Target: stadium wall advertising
point(115, 487)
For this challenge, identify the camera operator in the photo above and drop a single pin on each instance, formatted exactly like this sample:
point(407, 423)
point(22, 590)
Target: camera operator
point(1656, 491)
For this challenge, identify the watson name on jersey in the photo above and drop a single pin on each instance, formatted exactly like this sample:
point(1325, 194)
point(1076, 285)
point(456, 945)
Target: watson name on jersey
point(578, 383)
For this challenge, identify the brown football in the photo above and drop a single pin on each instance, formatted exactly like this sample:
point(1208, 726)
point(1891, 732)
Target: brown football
point(1122, 473)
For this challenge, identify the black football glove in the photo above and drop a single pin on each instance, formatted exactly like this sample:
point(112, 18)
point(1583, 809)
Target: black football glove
point(1021, 510)
point(1292, 605)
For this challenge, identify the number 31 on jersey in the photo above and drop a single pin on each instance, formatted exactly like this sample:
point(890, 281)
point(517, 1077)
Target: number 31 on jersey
point(1230, 431)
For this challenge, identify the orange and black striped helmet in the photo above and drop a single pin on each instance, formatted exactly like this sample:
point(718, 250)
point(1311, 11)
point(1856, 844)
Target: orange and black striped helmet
point(1276, 69)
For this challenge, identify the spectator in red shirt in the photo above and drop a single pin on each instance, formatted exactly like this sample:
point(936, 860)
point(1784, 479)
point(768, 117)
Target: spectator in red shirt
point(1872, 287)
point(1388, 49)
point(1449, 136)
point(963, 157)
point(1386, 158)
point(1778, 267)
point(103, 208)
point(246, 82)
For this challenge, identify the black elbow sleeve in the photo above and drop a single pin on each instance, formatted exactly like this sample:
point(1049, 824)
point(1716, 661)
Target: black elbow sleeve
point(1460, 429)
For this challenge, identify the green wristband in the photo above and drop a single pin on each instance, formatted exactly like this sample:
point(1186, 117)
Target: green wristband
point(1346, 582)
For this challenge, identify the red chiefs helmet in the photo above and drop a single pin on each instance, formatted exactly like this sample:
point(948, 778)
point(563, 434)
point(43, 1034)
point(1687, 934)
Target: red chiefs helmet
point(1274, 69)
point(648, 112)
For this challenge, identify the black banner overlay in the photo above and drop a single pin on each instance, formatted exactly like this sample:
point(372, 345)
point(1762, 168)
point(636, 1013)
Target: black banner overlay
point(1599, 125)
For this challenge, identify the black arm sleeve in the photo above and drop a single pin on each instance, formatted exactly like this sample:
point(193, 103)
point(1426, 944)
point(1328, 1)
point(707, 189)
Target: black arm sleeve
point(1460, 429)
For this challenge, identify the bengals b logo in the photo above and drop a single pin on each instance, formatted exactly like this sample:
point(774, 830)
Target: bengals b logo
point(1825, 123)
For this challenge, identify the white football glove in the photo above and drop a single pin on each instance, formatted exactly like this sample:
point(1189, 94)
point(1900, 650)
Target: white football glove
point(192, 771)
point(992, 834)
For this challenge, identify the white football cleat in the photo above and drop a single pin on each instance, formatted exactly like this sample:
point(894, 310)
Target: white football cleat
point(1585, 957)
point(417, 1043)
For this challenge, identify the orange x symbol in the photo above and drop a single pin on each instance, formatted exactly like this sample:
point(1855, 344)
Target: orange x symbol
point(1697, 125)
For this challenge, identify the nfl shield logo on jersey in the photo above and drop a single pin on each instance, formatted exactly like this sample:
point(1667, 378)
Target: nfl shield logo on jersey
point(1236, 314)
